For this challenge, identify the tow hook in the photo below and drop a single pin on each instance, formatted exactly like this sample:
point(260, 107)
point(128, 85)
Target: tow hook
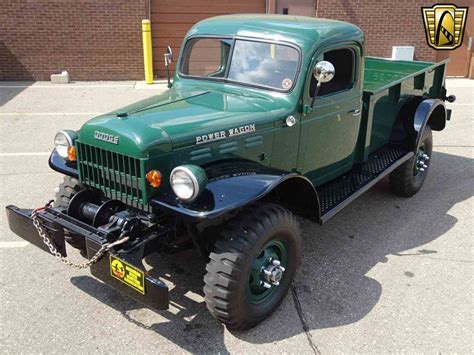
point(272, 273)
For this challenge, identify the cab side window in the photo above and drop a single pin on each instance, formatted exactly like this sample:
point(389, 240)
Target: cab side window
point(344, 64)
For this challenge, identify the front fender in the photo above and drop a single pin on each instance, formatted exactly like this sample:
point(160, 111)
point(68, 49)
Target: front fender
point(230, 192)
point(60, 165)
point(432, 112)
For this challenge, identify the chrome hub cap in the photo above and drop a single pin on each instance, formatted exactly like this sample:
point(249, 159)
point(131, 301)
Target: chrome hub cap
point(272, 274)
point(422, 161)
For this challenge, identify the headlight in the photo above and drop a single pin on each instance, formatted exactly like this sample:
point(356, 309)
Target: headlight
point(64, 142)
point(188, 181)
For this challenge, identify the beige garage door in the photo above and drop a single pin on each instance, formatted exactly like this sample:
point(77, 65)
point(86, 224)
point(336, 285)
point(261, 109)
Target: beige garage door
point(171, 19)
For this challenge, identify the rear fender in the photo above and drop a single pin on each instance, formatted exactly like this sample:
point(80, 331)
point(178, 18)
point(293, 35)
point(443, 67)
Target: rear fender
point(430, 112)
point(241, 186)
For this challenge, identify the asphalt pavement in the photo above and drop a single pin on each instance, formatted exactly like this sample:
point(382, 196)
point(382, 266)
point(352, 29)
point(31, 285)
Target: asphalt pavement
point(387, 274)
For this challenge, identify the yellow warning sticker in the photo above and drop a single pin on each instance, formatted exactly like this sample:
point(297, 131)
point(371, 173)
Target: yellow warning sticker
point(128, 274)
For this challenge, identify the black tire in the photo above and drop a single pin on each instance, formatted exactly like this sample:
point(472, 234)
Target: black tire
point(242, 242)
point(407, 179)
point(67, 189)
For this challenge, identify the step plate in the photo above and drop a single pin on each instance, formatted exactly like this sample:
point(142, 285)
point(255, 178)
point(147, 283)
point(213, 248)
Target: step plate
point(380, 163)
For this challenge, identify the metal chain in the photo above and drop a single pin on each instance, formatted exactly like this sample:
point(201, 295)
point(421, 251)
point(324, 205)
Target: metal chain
point(46, 240)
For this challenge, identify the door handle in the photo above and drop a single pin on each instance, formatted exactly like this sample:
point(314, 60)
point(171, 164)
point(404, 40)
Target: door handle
point(355, 112)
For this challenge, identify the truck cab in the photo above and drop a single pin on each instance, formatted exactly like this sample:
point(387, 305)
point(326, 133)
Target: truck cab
point(267, 117)
point(276, 67)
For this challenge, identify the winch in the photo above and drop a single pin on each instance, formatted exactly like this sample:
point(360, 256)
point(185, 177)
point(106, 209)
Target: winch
point(108, 216)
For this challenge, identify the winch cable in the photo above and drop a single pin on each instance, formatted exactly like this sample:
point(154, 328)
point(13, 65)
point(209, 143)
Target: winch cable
point(43, 234)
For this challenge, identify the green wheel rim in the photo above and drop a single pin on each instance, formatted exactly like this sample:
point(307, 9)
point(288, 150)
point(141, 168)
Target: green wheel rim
point(273, 250)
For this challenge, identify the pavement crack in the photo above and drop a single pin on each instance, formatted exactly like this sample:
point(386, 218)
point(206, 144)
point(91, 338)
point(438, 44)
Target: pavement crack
point(299, 310)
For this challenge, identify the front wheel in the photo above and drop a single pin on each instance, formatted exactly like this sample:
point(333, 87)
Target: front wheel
point(252, 266)
point(408, 178)
point(66, 190)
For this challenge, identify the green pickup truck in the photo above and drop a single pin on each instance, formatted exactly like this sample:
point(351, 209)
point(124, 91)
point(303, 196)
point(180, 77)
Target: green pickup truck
point(266, 118)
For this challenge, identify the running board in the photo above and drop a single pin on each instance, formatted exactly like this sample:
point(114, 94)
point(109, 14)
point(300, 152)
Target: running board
point(337, 194)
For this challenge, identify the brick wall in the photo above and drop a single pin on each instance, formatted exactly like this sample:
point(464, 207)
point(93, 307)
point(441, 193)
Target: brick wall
point(101, 39)
point(385, 23)
point(92, 39)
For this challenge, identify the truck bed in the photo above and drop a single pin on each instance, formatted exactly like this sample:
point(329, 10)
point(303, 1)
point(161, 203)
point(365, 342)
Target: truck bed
point(387, 85)
point(381, 73)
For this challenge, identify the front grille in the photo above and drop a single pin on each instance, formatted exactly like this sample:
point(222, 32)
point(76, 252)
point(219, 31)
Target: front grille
point(118, 176)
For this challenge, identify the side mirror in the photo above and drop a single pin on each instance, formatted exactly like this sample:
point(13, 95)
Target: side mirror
point(168, 56)
point(323, 71)
point(168, 60)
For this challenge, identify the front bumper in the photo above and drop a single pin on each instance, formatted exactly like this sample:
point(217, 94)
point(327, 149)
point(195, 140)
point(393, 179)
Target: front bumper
point(155, 292)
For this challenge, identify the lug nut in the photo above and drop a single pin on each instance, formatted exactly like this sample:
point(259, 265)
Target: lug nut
point(276, 262)
point(267, 272)
point(276, 283)
point(266, 285)
point(421, 169)
point(425, 166)
point(282, 269)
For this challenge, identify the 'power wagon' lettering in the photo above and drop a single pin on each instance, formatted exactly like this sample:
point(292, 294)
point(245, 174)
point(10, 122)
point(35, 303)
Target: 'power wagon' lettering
point(210, 137)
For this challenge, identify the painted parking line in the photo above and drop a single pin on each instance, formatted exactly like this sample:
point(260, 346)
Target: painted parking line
point(50, 113)
point(25, 154)
point(11, 245)
point(65, 86)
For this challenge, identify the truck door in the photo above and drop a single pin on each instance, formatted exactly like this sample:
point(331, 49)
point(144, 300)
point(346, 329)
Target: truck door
point(329, 131)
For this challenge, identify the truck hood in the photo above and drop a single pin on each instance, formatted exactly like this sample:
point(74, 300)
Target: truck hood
point(175, 119)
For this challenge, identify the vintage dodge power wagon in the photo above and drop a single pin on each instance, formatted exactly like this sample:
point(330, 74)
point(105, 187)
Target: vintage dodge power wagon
point(266, 118)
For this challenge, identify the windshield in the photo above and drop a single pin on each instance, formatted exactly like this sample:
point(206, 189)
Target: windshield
point(253, 63)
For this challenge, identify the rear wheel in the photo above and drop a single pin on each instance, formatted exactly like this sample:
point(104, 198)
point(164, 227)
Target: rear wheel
point(66, 190)
point(408, 178)
point(252, 266)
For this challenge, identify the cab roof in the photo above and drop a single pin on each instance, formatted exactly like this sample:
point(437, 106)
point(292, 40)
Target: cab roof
point(307, 32)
